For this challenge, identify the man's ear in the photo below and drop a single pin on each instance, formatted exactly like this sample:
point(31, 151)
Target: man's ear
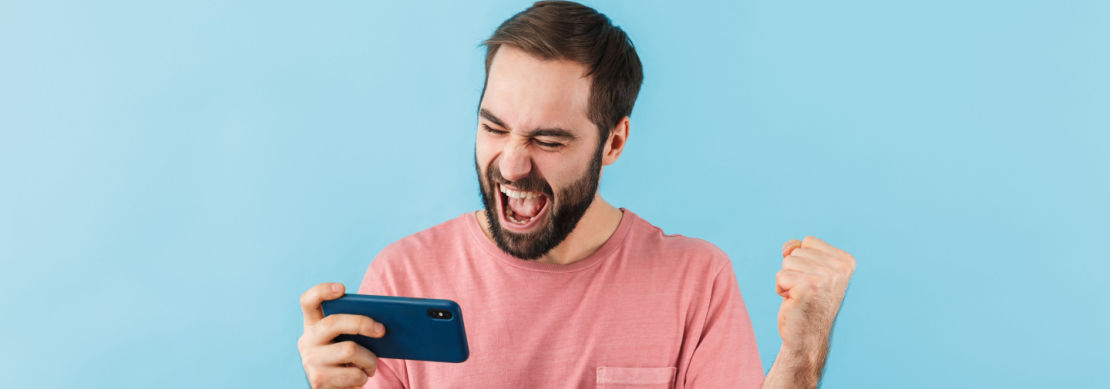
point(618, 137)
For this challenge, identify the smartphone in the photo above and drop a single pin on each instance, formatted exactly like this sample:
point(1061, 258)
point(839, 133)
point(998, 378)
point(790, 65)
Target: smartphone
point(415, 328)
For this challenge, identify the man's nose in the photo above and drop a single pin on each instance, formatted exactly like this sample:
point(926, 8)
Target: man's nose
point(515, 163)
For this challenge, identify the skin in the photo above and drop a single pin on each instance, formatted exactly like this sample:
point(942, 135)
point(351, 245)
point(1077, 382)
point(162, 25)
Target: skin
point(526, 94)
point(812, 282)
point(334, 365)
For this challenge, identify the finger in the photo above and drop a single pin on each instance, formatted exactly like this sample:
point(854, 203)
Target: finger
point(794, 284)
point(806, 260)
point(790, 246)
point(829, 257)
point(808, 253)
point(334, 325)
point(785, 280)
point(349, 352)
point(314, 296)
point(813, 242)
point(341, 377)
point(803, 263)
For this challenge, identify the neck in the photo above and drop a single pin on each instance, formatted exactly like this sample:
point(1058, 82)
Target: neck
point(592, 231)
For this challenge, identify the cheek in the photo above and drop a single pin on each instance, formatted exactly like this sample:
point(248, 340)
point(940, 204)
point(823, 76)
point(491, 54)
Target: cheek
point(485, 150)
point(561, 170)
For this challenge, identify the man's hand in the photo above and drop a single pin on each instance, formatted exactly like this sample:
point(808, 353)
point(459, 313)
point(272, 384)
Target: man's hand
point(812, 282)
point(335, 365)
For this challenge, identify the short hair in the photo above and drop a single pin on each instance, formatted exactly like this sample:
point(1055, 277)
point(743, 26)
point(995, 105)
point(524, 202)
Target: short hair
point(571, 31)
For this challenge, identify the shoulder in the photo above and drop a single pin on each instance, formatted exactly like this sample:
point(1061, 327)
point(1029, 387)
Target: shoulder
point(690, 250)
point(433, 239)
point(404, 267)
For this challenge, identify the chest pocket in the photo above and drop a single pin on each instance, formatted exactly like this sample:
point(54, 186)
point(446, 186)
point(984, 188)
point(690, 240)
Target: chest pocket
point(635, 377)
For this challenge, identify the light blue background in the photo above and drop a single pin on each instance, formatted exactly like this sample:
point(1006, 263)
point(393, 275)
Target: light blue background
point(174, 175)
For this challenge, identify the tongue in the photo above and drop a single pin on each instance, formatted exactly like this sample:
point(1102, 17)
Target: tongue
point(527, 207)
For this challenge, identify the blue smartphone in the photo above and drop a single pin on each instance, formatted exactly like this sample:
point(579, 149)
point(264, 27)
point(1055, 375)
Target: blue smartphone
point(415, 328)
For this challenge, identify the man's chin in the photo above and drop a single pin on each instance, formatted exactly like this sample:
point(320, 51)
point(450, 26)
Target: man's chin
point(526, 246)
point(521, 246)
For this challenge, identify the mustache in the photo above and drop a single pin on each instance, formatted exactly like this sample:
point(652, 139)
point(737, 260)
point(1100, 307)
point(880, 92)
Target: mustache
point(532, 182)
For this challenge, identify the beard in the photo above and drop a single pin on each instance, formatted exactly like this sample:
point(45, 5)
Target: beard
point(566, 209)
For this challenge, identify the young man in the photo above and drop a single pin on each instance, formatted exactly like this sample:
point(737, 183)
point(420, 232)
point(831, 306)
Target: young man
point(560, 288)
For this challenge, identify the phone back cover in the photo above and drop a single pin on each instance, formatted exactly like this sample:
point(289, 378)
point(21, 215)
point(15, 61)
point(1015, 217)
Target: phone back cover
point(410, 333)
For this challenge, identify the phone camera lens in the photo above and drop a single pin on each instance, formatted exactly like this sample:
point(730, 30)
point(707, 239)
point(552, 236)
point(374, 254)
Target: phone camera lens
point(439, 314)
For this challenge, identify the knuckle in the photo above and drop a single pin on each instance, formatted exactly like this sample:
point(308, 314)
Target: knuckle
point(843, 263)
point(348, 350)
point(344, 324)
point(365, 325)
point(309, 358)
point(780, 275)
point(328, 322)
point(313, 331)
point(306, 298)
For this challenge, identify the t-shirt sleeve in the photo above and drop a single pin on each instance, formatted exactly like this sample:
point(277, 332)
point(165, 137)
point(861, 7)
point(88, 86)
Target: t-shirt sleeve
point(726, 355)
point(391, 372)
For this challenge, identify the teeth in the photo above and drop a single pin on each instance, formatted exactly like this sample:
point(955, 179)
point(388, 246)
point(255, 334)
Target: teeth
point(519, 194)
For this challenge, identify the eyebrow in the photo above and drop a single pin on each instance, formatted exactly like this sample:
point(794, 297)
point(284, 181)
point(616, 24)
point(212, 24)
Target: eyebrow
point(548, 131)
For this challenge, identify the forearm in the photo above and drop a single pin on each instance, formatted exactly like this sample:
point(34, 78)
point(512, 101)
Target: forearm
point(797, 367)
point(812, 282)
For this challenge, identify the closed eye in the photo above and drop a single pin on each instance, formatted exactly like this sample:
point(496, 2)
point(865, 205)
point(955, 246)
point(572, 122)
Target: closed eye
point(548, 144)
point(493, 130)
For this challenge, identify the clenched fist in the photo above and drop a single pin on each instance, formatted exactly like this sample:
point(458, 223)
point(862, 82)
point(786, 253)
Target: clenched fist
point(812, 282)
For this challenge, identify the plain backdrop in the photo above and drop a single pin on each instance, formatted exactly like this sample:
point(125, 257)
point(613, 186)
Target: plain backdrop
point(174, 174)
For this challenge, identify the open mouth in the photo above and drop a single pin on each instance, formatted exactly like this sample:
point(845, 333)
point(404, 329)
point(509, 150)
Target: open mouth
point(520, 210)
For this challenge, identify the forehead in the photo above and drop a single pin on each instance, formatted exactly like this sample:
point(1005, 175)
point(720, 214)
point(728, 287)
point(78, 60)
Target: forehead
point(527, 92)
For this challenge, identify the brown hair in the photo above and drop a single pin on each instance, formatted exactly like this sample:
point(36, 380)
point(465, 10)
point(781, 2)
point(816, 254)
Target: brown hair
point(572, 31)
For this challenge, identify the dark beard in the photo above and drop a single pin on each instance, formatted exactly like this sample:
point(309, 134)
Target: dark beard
point(573, 201)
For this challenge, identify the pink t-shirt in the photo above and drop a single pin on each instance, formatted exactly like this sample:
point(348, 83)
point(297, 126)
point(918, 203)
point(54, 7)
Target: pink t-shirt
point(647, 310)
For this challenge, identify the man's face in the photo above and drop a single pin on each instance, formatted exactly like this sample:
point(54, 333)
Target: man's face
point(537, 154)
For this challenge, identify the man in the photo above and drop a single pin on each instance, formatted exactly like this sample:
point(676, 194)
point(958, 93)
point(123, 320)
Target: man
point(560, 288)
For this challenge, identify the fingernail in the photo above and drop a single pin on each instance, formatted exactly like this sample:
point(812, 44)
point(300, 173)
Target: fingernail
point(336, 288)
point(379, 328)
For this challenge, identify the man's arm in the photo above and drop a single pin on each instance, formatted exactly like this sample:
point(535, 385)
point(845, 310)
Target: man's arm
point(812, 282)
point(796, 368)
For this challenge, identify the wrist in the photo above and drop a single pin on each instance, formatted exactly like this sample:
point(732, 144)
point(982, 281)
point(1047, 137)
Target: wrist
point(799, 356)
point(799, 363)
point(808, 348)
point(804, 362)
